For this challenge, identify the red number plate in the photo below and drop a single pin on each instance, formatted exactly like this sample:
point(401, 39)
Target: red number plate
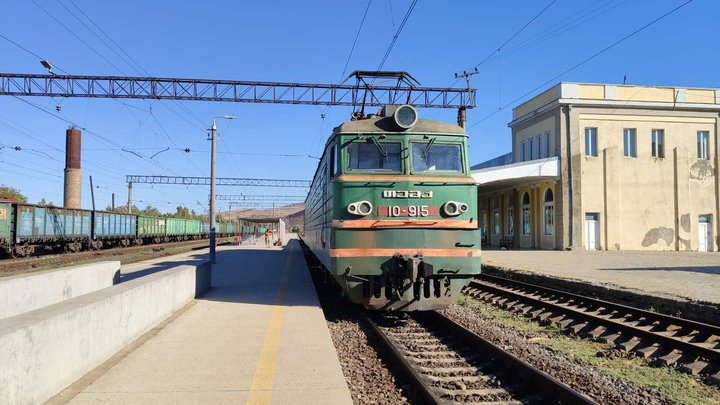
point(407, 210)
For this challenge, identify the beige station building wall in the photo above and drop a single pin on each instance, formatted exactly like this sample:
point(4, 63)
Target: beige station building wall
point(601, 198)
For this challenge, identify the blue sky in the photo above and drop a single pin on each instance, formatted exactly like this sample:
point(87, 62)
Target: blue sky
point(308, 42)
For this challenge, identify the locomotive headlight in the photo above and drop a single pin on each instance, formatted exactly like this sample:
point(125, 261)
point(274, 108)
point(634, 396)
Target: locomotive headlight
point(405, 116)
point(454, 208)
point(361, 208)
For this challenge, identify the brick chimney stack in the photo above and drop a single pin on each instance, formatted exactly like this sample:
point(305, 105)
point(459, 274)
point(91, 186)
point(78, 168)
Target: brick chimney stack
point(73, 173)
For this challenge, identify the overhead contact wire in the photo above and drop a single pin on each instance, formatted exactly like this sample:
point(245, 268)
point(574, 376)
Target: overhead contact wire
point(589, 58)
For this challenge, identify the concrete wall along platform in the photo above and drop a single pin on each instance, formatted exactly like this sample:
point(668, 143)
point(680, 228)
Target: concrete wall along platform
point(27, 292)
point(45, 350)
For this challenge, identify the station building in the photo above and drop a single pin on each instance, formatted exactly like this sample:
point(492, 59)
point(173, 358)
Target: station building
point(607, 167)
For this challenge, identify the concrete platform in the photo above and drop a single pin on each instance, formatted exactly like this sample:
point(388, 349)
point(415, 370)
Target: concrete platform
point(193, 257)
point(686, 275)
point(685, 284)
point(257, 337)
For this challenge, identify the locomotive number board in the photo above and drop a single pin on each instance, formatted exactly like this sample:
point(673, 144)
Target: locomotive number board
point(407, 210)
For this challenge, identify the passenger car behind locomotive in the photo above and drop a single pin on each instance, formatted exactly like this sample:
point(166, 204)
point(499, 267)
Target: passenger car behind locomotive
point(392, 211)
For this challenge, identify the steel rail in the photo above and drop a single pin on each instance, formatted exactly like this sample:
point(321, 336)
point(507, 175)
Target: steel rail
point(649, 328)
point(670, 319)
point(560, 391)
point(542, 381)
point(424, 389)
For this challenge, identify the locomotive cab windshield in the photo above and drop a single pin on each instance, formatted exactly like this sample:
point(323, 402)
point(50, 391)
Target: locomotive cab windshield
point(428, 157)
point(373, 155)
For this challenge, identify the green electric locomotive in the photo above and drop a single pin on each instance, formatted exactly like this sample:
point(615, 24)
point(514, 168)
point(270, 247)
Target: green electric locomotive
point(392, 211)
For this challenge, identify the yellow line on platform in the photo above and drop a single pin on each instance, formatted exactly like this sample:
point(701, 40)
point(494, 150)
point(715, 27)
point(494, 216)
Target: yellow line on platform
point(262, 383)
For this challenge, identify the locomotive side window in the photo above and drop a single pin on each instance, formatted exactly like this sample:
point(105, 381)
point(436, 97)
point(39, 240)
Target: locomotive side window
point(374, 156)
point(430, 157)
point(334, 161)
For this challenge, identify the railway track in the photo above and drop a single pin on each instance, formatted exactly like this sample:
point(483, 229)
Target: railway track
point(451, 364)
point(692, 347)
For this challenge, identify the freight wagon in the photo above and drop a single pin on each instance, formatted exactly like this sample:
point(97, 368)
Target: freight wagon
point(178, 229)
point(23, 226)
point(26, 229)
point(112, 228)
point(151, 229)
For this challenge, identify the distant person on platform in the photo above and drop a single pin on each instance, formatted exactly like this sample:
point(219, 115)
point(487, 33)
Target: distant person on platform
point(268, 237)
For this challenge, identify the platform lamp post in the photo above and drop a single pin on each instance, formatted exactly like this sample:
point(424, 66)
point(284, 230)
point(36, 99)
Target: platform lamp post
point(213, 137)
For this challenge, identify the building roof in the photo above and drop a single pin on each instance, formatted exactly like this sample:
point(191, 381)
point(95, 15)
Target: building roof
point(515, 174)
point(501, 160)
point(620, 95)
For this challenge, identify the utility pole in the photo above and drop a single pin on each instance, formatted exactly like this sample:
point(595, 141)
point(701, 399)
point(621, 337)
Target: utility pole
point(129, 207)
point(462, 111)
point(113, 201)
point(92, 193)
point(213, 139)
point(212, 193)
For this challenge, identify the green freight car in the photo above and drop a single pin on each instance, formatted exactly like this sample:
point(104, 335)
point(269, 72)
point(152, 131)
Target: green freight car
point(182, 229)
point(7, 225)
point(28, 228)
point(151, 229)
point(392, 211)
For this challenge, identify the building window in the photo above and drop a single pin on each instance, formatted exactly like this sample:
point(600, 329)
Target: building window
point(510, 222)
point(547, 144)
point(510, 217)
point(539, 144)
point(523, 152)
point(590, 141)
point(496, 216)
point(483, 223)
point(496, 222)
point(658, 143)
point(549, 212)
point(526, 214)
point(526, 221)
point(630, 142)
point(703, 145)
point(530, 155)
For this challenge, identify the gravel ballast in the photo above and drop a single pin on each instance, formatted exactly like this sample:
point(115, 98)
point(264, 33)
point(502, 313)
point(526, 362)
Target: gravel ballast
point(602, 388)
point(368, 370)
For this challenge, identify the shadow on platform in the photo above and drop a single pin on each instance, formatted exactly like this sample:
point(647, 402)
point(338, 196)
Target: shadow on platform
point(692, 269)
point(160, 266)
point(247, 274)
point(254, 275)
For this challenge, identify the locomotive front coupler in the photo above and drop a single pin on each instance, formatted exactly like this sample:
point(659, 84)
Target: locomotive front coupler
point(414, 267)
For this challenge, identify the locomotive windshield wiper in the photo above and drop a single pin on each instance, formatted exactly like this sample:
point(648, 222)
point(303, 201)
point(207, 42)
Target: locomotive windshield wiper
point(426, 152)
point(382, 150)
